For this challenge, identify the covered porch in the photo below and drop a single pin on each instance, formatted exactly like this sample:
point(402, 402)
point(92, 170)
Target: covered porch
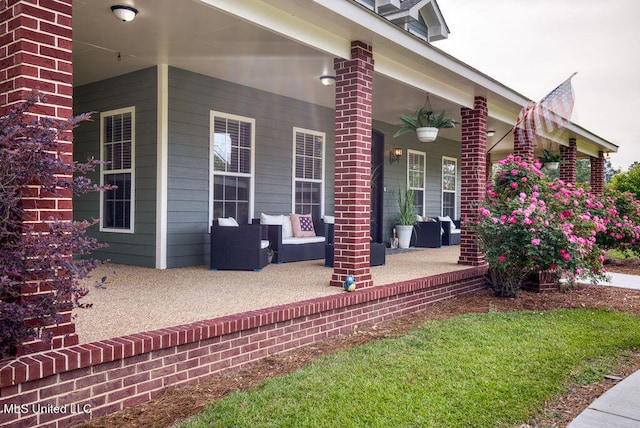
point(138, 299)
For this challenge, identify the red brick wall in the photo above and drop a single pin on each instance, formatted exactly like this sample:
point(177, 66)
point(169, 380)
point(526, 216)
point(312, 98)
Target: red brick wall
point(474, 177)
point(597, 174)
point(354, 80)
point(568, 162)
point(35, 47)
point(107, 376)
point(523, 146)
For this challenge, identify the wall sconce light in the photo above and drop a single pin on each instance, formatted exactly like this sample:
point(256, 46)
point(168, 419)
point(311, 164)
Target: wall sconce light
point(491, 133)
point(608, 157)
point(395, 155)
point(328, 80)
point(124, 13)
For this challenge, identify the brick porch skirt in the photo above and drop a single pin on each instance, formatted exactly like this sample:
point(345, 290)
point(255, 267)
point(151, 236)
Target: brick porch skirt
point(74, 384)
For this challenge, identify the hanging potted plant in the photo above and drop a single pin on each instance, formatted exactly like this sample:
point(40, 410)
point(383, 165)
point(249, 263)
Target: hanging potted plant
point(406, 217)
point(424, 124)
point(549, 160)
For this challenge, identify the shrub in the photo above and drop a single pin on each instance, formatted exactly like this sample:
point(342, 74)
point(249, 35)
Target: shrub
point(529, 225)
point(34, 260)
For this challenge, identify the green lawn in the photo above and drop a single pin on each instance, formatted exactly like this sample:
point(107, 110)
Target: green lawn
point(484, 370)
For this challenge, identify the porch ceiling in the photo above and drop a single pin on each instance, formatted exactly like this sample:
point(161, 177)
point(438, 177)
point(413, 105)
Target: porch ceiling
point(196, 35)
point(202, 39)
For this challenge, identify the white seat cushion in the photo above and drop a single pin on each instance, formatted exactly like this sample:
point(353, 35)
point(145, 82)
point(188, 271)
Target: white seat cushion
point(305, 240)
point(280, 220)
point(271, 219)
point(228, 221)
point(452, 228)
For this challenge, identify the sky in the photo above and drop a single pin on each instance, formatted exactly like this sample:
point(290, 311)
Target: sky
point(534, 45)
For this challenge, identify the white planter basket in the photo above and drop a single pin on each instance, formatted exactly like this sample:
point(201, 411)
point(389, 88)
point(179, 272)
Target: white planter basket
point(552, 166)
point(427, 135)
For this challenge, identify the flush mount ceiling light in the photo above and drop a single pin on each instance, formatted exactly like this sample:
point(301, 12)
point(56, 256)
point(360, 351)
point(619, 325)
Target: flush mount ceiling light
point(491, 133)
point(124, 13)
point(328, 80)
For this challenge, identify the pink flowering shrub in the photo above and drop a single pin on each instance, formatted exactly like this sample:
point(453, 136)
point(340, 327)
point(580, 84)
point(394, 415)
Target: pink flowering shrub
point(529, 225)
point(621, 214)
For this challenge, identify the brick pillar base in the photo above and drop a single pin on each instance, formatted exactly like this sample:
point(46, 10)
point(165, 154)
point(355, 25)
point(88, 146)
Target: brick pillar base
point(568, 162)
point(540, 283)
point(597, 174)
point(37, 54)
point(354, 81)
point(474, 177)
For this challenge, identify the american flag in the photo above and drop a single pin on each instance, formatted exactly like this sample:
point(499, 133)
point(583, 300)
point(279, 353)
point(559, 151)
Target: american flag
point(551, 113)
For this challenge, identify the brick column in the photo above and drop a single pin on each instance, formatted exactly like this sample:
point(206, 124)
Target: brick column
point(354, 79)
point(522, 145)
point(597, 174)
point(489, 167)
point(36, 52)
point(474, 176)
point(568, 162)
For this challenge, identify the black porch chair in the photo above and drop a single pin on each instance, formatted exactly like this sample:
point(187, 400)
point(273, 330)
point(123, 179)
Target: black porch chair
point(237, 247)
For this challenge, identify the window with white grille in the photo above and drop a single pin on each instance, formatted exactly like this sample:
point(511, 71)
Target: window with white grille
point(449, 186)
point(117, 150)
point(416, 178)
point(308, 172)
point(232, 146)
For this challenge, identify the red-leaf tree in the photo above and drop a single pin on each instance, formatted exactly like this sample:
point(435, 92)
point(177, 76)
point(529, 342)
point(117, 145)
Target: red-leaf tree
point(30, 259)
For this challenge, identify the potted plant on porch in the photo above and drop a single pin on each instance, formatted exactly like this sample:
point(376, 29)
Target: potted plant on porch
point(550, 161)
point(406, 217)
point(424, 124)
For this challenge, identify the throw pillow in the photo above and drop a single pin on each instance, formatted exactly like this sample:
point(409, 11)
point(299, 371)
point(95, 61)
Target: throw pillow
point(302, 225)
point(228, 221)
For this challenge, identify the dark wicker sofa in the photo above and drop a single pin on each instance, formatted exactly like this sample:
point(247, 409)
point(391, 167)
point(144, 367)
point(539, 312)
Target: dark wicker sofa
point(294, 252)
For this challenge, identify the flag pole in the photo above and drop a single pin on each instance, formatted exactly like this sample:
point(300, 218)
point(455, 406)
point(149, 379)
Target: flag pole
point(503, 137)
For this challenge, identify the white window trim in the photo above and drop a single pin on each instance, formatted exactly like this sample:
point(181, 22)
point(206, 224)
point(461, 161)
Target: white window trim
point(132, 170)
point(212, 116)
point(424, 177)
point(455, 191)
point(296, 130)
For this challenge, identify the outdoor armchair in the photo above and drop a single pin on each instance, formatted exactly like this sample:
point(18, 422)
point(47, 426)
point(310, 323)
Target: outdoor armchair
point(238, 247)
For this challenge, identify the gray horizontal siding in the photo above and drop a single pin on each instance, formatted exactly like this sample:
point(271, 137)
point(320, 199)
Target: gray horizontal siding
point(395, 175)
point(136, 89)
point(191, 99)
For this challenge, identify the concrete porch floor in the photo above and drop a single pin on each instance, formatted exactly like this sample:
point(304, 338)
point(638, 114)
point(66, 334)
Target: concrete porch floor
point(140, 299)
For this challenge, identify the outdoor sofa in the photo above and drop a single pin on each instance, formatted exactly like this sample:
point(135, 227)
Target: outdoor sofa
point(450, 231)
point(286, 246)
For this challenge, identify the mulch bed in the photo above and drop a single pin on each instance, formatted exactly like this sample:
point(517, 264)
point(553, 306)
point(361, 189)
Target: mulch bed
point(178, 404)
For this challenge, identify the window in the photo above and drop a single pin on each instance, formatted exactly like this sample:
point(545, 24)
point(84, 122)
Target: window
point(231, 163)
point(117, 150)
point(416, 178)
point(449, 186)
point(308, 172)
